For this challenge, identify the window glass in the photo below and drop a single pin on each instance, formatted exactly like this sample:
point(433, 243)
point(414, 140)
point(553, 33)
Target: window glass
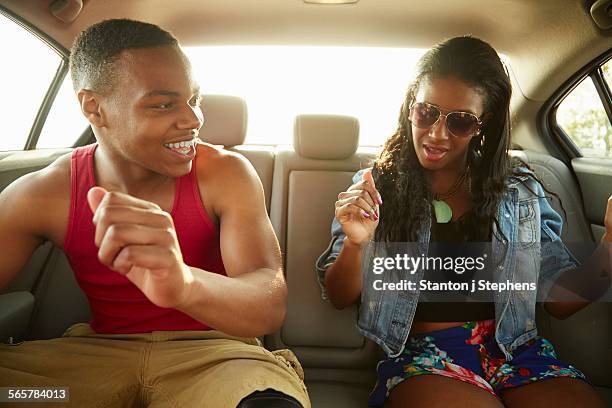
point(65, 122)
point(584, 120)
point(607, 73)
point(279, 83)
point(27, 69)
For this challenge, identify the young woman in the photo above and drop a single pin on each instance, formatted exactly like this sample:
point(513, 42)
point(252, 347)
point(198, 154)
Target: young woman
point(445, 177)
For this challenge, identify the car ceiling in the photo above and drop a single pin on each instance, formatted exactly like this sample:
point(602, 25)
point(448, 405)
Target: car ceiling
point(546, 40)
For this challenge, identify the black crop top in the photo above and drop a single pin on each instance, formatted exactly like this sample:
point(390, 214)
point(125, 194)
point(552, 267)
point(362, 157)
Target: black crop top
point(446, 241)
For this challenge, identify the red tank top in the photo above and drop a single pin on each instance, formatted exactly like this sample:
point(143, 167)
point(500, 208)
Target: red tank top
point(117, 305)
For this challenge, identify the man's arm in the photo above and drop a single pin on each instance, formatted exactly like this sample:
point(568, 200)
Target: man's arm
point(579, 287)
point(29, 209)
point(137, 239)
point(251, 300)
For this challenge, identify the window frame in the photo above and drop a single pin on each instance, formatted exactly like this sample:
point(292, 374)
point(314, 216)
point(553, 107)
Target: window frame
point(56, 82)
point(548, 118)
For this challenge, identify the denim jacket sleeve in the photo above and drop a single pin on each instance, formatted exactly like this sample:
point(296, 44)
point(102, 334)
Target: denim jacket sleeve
point(555, 256)
point(328, 257)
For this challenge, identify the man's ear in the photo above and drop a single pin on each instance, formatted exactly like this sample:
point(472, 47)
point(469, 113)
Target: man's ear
point(90, 106)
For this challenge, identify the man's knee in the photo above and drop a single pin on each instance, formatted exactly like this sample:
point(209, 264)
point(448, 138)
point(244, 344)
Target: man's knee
point(269, 399)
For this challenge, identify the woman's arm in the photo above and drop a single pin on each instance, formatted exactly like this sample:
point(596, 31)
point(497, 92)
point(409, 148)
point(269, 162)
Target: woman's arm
point(575, 287)
point(356, 218)
point(343, 278)
point(585, 284)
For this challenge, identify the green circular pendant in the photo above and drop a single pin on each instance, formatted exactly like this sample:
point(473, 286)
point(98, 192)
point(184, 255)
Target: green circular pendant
point(443, 211)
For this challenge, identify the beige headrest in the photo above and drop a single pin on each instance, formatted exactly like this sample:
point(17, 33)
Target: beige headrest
point(326, 137)
point(225, 120)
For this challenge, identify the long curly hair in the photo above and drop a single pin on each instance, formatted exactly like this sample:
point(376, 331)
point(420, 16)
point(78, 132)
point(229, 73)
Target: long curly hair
point(399, 176)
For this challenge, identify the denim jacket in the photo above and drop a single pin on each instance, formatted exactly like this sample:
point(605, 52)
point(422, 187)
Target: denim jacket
point(527, 221)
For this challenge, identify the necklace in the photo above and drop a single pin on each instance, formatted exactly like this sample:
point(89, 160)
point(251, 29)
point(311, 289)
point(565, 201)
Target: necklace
point(442, 210)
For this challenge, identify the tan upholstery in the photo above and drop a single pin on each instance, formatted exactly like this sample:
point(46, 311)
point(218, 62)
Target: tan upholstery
point(557, 178)
point(263, 161)
point(225, 124)
point(571, 336)
point(303, 194)
point(325, 137)
point(331, 394)
point(225, 120)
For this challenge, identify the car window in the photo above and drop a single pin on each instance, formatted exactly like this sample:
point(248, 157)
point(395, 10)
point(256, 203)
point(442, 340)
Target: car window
point(607, 73)
point(279, 83)
point(27, 69)
point(583, 118)
point(65, 122)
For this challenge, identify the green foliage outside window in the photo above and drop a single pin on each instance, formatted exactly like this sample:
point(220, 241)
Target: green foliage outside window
point(582, 116)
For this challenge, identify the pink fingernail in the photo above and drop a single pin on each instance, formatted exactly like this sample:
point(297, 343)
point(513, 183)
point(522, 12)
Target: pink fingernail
point(379, 200)
point(365, 214)
point(376, 216)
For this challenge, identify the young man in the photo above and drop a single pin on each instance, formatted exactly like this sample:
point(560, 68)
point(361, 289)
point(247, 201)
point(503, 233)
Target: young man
point(168, 237)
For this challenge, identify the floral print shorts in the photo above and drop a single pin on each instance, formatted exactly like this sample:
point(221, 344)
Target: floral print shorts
point(470, 354)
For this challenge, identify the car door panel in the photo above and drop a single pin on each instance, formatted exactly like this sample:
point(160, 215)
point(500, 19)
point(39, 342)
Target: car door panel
point(595, 179)
point(18, 300)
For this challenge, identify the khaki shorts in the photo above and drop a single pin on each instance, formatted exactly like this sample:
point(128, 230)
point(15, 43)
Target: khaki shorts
point(158, 369)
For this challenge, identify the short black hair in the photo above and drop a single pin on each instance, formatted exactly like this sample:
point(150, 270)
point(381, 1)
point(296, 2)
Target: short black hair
point(96, 49)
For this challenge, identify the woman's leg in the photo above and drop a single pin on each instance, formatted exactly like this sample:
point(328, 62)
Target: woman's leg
point(438, 369)
point(535, 377)
point(437, 391)
point(554, 392)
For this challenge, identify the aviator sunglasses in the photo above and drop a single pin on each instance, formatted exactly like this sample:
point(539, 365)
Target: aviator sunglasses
point(460, 124)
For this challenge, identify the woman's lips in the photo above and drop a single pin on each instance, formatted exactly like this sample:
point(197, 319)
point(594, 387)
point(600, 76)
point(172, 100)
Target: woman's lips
point(434, 153)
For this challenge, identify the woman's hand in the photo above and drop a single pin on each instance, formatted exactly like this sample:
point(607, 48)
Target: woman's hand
point(357, 210)
point(608, 223)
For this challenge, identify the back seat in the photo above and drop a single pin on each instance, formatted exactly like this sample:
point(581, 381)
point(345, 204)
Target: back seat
point(338, 362)
point(301, 185)
point(584, 339)
point(225, 124)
